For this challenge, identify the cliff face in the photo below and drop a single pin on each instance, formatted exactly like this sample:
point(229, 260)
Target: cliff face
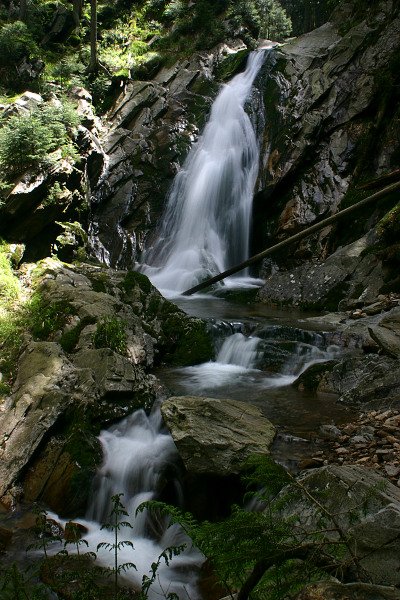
point(150, 131)
point(332, 119)
point(327, 115)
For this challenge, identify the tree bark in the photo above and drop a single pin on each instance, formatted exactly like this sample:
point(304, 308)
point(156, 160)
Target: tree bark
point(94, 59)
point(22, 10)
point(77, 9)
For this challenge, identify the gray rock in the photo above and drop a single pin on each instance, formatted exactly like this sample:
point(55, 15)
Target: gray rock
point(365, 508)
point(216, 436)
point(324, 285)
point(42, 392)
point(67, 389)
point(332, 590)
point(388, 341)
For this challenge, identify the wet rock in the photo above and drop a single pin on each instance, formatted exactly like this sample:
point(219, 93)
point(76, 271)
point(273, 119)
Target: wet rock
point(216, 436)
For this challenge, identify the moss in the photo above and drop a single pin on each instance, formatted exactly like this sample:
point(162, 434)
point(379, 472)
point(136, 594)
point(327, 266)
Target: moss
point(85, 451)
point(44, 317)
point(186, 341)
point(70, 338)
point(388, 228)
point(133, 279)
point(231, 65)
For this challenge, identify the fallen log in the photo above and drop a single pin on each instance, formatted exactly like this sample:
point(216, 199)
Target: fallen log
point(294, 238)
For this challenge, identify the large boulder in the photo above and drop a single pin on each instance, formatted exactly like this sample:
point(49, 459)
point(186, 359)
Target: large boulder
point(216, 436)
point(357, 508)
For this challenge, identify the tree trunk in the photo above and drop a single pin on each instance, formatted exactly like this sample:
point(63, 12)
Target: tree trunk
point(94, 59)
point(22, 10)
point(77, 7)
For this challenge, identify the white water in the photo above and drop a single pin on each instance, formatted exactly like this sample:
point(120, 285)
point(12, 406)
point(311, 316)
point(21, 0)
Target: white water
point(236, 367)
point(205, 228)
point(136, 452)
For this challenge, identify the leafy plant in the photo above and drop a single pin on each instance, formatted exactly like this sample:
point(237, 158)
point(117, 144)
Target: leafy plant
point(110, 333)
point(27, 139)
point(267, 552)
point(115, 525)
point(21, 584)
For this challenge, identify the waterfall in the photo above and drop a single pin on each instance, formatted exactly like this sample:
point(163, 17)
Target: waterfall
point(205, 228)
point(137, 452)
point(239, 350)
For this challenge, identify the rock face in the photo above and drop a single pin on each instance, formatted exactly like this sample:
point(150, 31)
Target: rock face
point(150, 131)
point(216, 436)
point(365, 507)
point(77, 379)
point(322, 285)
point(329, 119)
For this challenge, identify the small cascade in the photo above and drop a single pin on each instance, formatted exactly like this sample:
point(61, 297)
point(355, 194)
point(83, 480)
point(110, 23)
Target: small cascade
point(206, 226)
point(137, 453)
point(245, 365)
point(307, 355)
point(239, 350)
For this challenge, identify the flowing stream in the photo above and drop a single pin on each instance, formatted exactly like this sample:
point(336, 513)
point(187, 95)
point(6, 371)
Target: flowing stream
point(205, 230)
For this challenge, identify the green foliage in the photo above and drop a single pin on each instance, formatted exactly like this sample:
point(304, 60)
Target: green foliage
point(27, 139)
point(274, 22)
point(115, 525)
point(43, 318)
point(268, 552)
point(10, 332)
point(15, 42)
point(9, 283)
point(110, 333)
point(68, 71)
point(21, 584)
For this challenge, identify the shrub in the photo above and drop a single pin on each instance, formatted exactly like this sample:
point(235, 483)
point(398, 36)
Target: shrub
point(15, 43)
point(27, 139)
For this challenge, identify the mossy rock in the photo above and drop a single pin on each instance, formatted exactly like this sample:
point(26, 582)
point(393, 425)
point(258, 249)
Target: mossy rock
point(186, 341)
point(231, 65)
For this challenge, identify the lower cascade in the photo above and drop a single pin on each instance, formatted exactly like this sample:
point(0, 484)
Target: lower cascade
point(137, 452)
point(206, 224)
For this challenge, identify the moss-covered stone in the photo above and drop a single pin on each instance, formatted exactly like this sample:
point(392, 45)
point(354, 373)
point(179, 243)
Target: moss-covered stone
point(231, 64)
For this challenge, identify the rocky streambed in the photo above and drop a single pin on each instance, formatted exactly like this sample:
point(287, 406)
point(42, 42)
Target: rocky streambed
point(72, 382)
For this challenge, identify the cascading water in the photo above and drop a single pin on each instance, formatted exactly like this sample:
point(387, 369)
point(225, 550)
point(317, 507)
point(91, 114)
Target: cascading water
point(206, 225)
point(137, 453)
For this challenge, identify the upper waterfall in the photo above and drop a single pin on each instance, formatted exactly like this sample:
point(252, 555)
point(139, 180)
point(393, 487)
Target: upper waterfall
point(206, 224)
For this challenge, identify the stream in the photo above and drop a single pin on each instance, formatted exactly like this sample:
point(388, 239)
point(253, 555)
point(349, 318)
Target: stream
point(259, 352)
